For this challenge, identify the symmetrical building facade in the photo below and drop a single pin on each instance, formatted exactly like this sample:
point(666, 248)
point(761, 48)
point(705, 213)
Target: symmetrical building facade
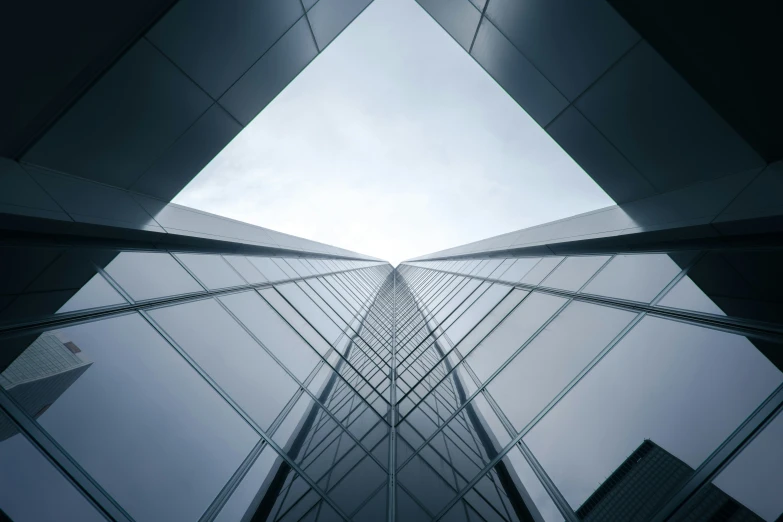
point(161, 363)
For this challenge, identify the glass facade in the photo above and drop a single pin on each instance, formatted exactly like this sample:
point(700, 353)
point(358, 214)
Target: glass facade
point(161, 363)
point(198, 386)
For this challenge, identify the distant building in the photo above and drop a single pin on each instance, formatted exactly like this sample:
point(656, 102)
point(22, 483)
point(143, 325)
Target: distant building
point(40, 375)
point(645, 480)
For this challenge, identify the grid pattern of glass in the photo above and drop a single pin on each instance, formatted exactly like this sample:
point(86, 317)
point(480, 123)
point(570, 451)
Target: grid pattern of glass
point(232, 387)
point(584, 362)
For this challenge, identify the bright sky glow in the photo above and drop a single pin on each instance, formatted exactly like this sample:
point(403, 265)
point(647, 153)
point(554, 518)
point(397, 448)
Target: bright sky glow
point(394, 143)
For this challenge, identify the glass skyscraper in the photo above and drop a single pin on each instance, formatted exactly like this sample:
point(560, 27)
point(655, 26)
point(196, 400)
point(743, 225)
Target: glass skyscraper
point(162, 363)
point(244, 387)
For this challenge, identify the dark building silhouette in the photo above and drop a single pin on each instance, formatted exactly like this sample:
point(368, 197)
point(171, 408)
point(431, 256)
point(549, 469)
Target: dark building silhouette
point(646, 479)
point(40, 375)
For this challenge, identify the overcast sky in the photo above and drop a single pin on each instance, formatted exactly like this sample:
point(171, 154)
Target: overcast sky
point(393, 143)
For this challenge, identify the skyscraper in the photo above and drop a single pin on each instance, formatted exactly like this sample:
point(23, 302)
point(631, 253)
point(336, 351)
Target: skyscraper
point(222, 371)
point(40, 375)
point(651, 471)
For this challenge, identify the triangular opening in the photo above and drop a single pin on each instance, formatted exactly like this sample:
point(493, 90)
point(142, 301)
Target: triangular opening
point(394, 142)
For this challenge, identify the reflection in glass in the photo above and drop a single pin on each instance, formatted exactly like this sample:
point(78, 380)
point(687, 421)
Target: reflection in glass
point(229, 355)
point(246, 269)
point(40, 282)
point(147, 275)
point(31, 488)
point(646, 479)
point(137, 417)
point(574, 272)
point(518, 270)
point(755, 476)
point(686, 295)
point(540, 271)
point(176, 411)
point(683, 387)
point(555, 357)
point(212, 270)
point(268, 268)
point(512, 333)
point(634, 277)
point(96, 293)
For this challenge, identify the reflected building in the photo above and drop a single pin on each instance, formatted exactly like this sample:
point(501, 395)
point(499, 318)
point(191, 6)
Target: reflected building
point(653, 474)
point(43, 372)
point(162, 363)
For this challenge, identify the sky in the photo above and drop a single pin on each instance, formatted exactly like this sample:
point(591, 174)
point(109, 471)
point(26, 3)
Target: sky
point(394, 143)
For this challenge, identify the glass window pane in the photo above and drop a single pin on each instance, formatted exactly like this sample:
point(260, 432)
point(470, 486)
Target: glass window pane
point(634, 277)
point(686, 295)
point(475, 267)
point(40, 282)
point(245, 499)
point(212, 270)
point(667, 386)
point(551, 360)
point(300, 267)
point(512, 333)
point(540, 271)
point(229, 355)
point(269, 269)
point(97, 293)
point(318, 266)
point(489, 267)
point(755, 476)
point(273, 332)
point(429, 487)
point(327, 295)
point(574, 272)
point(490, 321)
point(533, 487)
point(477, 311)
point(285, 267)
point(246, 269)
point(450, 302)
point(502, 268)
point(466, 303)
point(520, 267)
point(296, 320)
point(31, 488)
point(287, 431)
point(127, 407)
point(147, 275)
point(310, 311)
point(356, 485)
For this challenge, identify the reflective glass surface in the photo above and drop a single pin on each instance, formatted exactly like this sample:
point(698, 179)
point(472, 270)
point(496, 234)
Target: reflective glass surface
point(597, 390)
point(31, 488)
point(687, 295)
point(96, 293)
point(518, 270)
point(754, 477)
point(211, 270)
point(246, 269)
point(133, 413)
point(638, 277)
point(146, 275)
point(541, 270)
point(229, 355)
point(268, 268)
point(512, 333)
point(555, 357)
point(713, 381)
point(574, 272)
point(41, 282)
